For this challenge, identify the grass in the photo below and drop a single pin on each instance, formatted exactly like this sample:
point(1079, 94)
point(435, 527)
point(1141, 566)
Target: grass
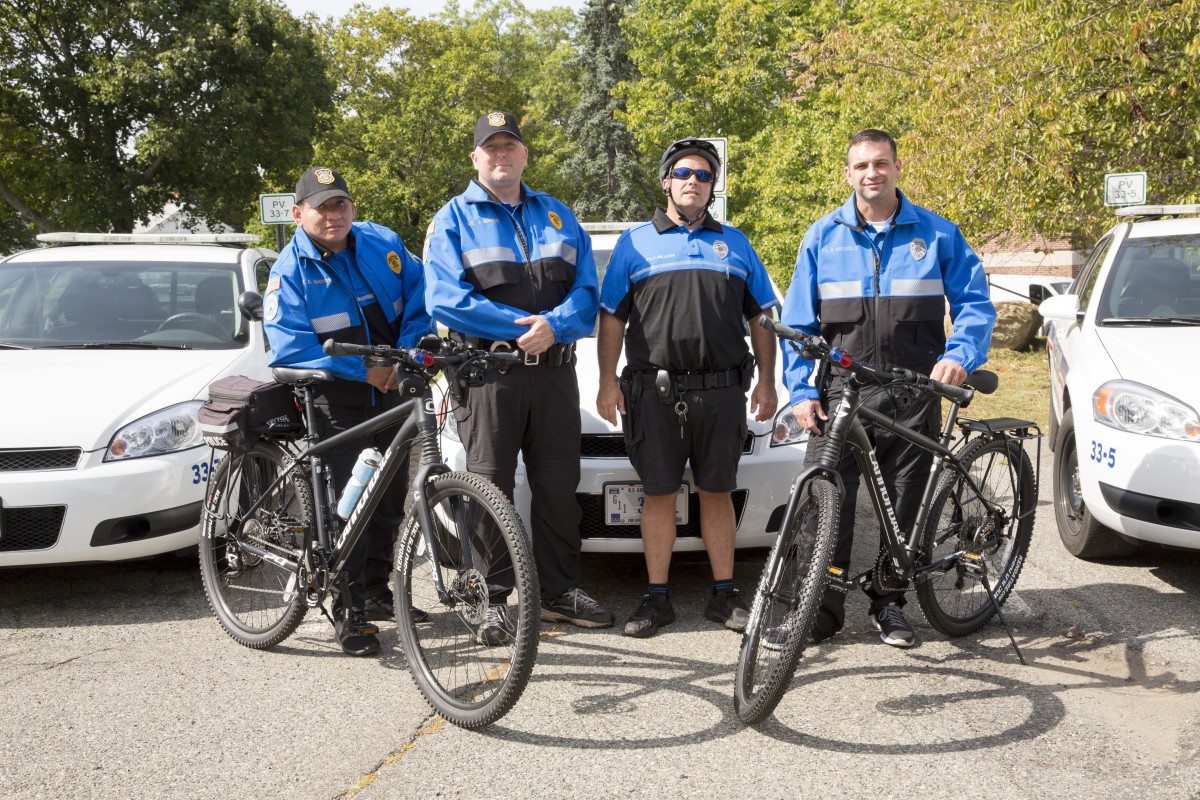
point(1024, 390)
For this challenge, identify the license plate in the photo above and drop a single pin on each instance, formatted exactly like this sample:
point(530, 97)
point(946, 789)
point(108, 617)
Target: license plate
point(623, 504)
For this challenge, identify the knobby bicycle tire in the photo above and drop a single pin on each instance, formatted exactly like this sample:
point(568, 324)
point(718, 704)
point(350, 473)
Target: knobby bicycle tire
point(256, 600)
point(469, 682)
point(954, 602)
point(786, 602)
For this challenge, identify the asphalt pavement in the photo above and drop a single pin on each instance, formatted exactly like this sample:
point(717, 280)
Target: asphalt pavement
point(118, 683)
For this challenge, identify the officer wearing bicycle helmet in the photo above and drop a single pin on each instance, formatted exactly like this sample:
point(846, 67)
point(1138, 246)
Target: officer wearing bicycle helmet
point(510, 268)
point(874, 278)
point(677, 294)
point(351, 282)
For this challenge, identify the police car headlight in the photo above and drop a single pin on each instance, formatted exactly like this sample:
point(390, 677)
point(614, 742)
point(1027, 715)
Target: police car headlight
point(787, 429)
point(1137, 408)
point(166, 431)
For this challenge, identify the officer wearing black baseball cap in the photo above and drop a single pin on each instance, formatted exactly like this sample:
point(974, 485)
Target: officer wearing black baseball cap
point(320, 184)
point(496, 122)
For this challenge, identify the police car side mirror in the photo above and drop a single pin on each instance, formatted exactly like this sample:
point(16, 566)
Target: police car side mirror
point(1063, 307)
point(250, 304)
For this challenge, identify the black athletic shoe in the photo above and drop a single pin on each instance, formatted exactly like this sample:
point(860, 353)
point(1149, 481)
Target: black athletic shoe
point(356, 635)
point(893, 627)
point(727, 608)
point(496, 628)
point(381, 608)
point(575, 607)
point(654, 612)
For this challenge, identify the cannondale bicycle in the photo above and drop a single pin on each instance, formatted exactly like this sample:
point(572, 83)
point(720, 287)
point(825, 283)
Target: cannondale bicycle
point(962, 556)
point(465, 589)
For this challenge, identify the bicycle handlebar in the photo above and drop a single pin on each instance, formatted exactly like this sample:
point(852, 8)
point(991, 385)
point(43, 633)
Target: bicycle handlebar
point(416, 356)
point(981, 380)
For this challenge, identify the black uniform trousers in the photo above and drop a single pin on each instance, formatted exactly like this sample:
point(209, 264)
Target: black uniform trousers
point(370, 564)
point(905, 469)
point(534, 411)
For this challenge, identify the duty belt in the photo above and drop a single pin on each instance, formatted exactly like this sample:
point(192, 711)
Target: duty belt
point(694, 381)
point(556, 356)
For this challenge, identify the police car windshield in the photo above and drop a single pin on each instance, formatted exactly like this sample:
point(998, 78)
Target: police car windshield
point(121, 304)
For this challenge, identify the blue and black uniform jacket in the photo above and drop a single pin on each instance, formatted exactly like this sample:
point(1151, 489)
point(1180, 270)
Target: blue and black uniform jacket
point(882, 296)
point(310, 298)
point(488, 264)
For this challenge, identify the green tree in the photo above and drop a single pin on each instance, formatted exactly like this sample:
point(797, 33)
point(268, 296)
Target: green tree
point(110, 109)
point(409, 93)
point(615, 181)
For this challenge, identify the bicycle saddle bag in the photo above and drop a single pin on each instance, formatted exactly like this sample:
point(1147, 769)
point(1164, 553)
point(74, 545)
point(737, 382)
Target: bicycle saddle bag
point(240, 410)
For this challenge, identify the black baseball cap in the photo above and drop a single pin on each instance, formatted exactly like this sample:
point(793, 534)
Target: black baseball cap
point(496, 122)
point(320, 184)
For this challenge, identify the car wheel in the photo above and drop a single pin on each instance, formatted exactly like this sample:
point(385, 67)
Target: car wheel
point(1082, 535)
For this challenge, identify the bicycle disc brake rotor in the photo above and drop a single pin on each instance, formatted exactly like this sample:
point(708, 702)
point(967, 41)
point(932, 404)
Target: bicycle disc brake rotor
point(469, 589)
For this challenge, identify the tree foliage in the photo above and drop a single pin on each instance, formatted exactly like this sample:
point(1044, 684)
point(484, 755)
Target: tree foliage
point(616, 182)
point(109, 109)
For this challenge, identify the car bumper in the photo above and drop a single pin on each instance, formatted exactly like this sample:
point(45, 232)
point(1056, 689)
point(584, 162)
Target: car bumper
point(1146, 490)
point(103, 511)
point(764, 481)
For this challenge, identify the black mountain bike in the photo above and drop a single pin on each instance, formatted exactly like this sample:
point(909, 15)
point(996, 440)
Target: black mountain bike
point(965, 550)
point(272, 545)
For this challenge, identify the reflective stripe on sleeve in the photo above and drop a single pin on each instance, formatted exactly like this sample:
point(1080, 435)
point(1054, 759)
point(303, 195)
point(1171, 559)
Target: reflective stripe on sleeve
point(839, 290)
point(917, 287)
point(333, 322)
point(562, 250)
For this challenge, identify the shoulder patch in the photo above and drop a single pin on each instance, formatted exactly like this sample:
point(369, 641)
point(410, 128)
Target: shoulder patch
point(271, 307)
point(393, 259)
point(555, 220)
point(273, 284)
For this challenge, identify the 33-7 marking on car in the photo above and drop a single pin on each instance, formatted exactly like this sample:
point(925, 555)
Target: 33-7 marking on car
point(1104, 457)
point(200, 472)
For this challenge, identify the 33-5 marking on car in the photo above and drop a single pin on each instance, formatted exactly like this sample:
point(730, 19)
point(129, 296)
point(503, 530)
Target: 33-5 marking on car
point(200, 471)
point(1102, 456)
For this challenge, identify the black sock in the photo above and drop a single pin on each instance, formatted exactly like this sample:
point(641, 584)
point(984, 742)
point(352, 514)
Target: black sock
point(659, 590)
point(721, 586)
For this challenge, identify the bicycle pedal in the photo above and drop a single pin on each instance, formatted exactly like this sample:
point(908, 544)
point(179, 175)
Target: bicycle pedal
point(973, 564)
point(837, 580)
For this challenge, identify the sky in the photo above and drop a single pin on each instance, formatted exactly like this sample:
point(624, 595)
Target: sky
point(421, 8)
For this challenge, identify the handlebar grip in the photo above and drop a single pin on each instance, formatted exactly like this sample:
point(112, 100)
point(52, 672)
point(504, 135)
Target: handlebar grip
point(506, 357)
point(781, 330)
point(332, 348)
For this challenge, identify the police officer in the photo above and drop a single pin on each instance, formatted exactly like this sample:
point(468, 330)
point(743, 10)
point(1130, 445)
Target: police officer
point(679, 290)
point(509, 268)
point(351, 282)
point(873, 278)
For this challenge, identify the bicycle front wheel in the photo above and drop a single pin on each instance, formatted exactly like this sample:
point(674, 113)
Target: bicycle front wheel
point(471, 651)
point(786, 602)
point(954, 600)
point(255, 598)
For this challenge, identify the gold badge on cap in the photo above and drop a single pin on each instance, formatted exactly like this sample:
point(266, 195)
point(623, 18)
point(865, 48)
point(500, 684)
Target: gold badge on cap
point(393, 259)
point(496, 119)
point(555, 220)
point(323, 175)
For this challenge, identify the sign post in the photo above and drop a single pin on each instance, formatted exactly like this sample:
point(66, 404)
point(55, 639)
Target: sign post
point(718, 209)
point(276, 210)
point(1125, 189)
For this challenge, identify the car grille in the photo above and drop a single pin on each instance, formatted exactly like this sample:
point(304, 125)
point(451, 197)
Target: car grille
point(31, 460)
point(612, 445)
point(30, 528)
point(592, 526)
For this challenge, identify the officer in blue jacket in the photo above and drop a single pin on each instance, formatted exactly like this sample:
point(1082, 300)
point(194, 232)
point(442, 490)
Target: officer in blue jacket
point(508, 268)
point(874, 278)
point(351, 282)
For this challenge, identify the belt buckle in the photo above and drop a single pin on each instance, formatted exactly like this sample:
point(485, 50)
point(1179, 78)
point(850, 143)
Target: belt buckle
point(531, 360)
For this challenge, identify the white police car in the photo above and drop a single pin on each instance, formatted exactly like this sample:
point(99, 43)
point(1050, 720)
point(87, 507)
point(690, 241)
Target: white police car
point(107, 345)
point(1125, 389)
point(608, 488)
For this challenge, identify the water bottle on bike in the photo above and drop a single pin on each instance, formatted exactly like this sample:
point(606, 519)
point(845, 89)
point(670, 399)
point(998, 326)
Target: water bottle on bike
point(366, 465)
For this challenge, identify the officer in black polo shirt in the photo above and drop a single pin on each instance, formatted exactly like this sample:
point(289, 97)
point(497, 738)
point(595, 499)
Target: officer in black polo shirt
point(679, 290)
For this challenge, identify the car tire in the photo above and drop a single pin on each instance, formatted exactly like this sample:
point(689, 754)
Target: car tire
point(1081, 534)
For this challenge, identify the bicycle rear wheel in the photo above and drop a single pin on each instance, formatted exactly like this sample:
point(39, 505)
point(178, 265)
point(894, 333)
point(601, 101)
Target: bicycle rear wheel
point(953, 600)
point(256, 600)
point(786, 602)
point(473, 654)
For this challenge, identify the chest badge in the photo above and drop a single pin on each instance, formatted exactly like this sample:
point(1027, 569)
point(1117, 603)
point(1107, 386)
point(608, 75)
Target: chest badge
point(393, 259)
point(917, 248)
point(555, 220)
point(721, 249)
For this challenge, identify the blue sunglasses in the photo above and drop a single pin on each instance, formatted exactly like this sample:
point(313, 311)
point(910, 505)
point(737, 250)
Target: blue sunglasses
point(683, 173)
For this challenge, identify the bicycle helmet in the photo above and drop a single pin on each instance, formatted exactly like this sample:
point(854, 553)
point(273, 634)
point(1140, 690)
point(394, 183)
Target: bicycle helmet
point(688, 147)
